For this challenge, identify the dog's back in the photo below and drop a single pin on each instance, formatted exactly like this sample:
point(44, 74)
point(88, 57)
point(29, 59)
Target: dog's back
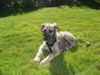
point(66, 40)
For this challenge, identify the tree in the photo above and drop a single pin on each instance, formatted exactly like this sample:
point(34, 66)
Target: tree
point(27, 3)
point(97, 1)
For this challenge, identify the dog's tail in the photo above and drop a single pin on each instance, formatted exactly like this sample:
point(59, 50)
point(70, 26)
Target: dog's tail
point(87, 43)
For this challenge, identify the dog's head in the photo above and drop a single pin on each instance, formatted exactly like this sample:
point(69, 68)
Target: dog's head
point(49, 30)
point(49, 27)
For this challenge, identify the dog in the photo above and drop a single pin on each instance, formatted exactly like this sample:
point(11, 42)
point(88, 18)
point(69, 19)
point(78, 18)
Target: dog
point(54, 41)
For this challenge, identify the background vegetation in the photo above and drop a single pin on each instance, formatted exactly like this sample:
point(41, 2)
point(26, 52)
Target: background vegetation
point(13, 4)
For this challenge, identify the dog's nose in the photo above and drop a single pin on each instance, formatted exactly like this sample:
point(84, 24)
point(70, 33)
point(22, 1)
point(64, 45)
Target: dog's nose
point(50, 31)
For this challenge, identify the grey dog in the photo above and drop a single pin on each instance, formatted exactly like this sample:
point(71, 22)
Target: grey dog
point(54, 41)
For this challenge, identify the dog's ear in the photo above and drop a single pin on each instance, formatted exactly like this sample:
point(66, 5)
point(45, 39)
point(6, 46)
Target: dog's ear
point(42, 27)
point(55, 24)
point(56, 27)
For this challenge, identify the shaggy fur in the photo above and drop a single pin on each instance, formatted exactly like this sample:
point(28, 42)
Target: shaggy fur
point(64, 40)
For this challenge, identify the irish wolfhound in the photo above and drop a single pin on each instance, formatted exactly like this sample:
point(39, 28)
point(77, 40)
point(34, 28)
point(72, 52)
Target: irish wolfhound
point(54, 41)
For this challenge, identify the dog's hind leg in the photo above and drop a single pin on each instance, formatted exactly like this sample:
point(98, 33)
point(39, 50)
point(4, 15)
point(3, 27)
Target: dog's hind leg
point(40, 52)
point(70, 40)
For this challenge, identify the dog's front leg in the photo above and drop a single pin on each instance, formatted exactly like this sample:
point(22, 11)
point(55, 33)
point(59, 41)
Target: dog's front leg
point(40, 52)
point(50, 57)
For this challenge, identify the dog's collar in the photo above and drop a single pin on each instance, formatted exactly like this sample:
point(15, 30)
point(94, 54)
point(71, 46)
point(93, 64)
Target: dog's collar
point(50, 45)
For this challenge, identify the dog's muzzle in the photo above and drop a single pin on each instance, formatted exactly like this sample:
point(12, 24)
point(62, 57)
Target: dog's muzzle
point(50, 40)
point(46, 36)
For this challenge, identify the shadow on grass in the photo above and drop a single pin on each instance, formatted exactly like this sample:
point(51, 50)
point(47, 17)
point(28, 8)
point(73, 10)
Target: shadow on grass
point(60, 67)
point(8, 12)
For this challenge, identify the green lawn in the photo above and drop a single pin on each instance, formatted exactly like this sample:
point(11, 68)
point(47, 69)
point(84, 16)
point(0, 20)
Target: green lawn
point(20, 38)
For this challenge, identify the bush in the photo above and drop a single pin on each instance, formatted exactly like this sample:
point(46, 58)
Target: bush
point(13, 4)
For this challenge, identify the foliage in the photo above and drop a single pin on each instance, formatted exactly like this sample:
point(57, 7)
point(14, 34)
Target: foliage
point(13, 4)
point(97, 1)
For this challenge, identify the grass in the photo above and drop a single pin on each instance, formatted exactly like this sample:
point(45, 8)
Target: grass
point(20, 38)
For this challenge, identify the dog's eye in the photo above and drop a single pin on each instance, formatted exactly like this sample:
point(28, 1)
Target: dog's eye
point(50, 31)
point(44, 30)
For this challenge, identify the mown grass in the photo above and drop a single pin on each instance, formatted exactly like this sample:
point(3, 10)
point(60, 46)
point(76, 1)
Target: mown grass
point(20, 38)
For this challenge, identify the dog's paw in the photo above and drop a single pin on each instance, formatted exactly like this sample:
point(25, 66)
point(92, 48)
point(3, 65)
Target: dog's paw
point(43, 62)
point(36, 59)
